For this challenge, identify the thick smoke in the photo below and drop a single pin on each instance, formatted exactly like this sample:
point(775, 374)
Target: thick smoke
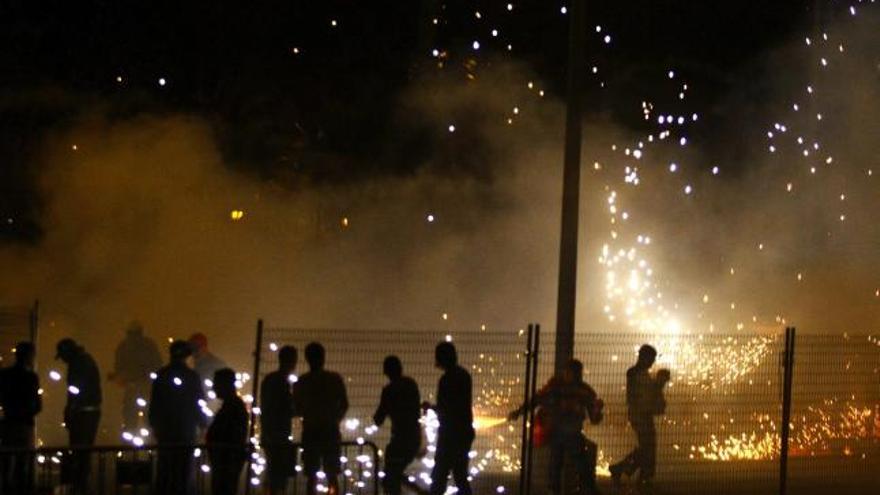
point(138, 224)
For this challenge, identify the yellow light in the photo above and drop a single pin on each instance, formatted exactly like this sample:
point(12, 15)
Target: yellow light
point(236, 215)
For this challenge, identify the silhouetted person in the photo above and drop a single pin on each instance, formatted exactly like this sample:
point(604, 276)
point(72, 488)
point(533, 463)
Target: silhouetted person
point(642, 406)
point(227, 436)
point(175, 414)
point(276, 418)
point(456, 432)
point(205, 363)
point(21, 402)
point(321, 400)
point(82, 414)
point(136, 357)
point(400, 400)
point(566, 401)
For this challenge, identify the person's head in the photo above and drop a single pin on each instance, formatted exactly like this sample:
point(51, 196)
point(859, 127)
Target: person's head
point(315, 356)
point(199, 343)
point(224, 383)
point(24, 354)
point(647, 356)
point(287, 357)
point(575, 370)
point(66, 350)
point(445, 356)
point(135, 329)
point(392, 367)
point(179, 350)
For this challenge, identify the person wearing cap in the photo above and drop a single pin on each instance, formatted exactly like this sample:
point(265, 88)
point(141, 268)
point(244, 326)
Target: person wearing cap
point(176, 412)
point(136, 357)
point(21, 402)
point(205, 363)
point(82, 414)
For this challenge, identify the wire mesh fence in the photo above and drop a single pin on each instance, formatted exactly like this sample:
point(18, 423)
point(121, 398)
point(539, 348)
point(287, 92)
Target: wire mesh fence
point(835, 437)
point(721, 429)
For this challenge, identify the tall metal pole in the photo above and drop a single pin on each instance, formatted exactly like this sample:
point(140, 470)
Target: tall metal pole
point(255, 392)
point(786, 409)
point(571, 183)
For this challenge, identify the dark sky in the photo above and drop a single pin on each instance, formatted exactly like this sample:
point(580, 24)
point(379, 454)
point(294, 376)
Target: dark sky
point(278, 112)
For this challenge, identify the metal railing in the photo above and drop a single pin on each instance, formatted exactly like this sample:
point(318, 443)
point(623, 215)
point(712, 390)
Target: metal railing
point(134, 470)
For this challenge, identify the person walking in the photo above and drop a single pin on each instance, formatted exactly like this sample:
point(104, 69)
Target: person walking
point(21, 402)
point(320, 398)
point(175, 414)
point(400, 401)
point(566, 402)
point(135, 358)
point(456, 432)
point(82, 414)
point(276, 419)
point(643, 400)
point(227, 436)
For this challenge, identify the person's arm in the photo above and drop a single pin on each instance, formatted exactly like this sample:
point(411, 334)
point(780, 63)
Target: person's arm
point(240, 430)
point(343, 399)
point(382, 410)
point(298, 400)
point(540, 398)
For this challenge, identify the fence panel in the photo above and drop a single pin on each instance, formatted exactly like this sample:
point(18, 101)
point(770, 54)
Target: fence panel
point(495, 359)
point(835, 405)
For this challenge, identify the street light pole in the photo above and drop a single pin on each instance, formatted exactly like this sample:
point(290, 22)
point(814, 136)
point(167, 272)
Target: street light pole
point(571, 183)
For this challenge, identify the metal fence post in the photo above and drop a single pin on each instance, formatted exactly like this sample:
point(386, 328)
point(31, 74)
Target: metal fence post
point(255, 392)
point(527, 400)
point(531, 412)
point(788, 366)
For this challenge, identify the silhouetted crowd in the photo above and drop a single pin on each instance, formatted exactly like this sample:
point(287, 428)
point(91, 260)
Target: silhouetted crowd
point(187, 400)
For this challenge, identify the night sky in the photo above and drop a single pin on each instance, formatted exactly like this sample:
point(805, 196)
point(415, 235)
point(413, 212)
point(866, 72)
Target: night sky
point(289, 94)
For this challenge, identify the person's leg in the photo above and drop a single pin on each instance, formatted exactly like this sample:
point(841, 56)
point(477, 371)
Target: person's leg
point(393, 468)
point(554, 469)
point(460, 470)
point(277, 457)
point(225, 476)
point(591, 456)
point(311, 463)
point(648, 449)
point(440, 472)
point(330, 460)
point(90, 422)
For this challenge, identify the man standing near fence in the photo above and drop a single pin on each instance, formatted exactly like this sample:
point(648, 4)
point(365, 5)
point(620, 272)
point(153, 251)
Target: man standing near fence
point(400, 400)
point(82, 414)
point(642, 402)
point(456, 432)
point(227, 436)
point(566, 402)
point(175, 414)
point(21, 402)
point(276, 419)
point(320, 398)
